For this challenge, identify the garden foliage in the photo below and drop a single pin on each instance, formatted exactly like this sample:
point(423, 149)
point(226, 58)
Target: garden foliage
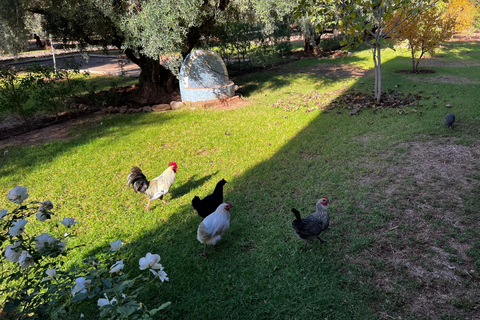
point(37, 88)
point(36, 283)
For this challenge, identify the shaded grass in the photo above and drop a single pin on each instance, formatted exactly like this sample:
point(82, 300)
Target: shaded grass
point(273, 160)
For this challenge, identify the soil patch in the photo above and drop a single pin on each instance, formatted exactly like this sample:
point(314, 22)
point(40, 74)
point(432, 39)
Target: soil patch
point(336, 71)
point(439, 62)
point(419, 71)
point(57, 131)
point(221, 104)
point(444, 79)
point(426, 192)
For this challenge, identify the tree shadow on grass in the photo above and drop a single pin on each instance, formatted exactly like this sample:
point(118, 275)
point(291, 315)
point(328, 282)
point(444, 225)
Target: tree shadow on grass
point(189, 185)
point(25, 156)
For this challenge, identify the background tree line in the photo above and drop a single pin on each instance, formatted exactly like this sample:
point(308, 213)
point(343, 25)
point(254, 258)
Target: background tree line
point(253, 30)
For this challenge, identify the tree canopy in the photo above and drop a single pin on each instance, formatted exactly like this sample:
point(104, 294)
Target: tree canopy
point(145, 30)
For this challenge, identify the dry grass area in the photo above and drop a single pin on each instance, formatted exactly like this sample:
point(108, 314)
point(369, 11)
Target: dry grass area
point(420, 256)
point(443, 79)
point(335, 71)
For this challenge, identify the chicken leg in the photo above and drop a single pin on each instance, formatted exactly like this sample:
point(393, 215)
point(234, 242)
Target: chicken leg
point(204, 253)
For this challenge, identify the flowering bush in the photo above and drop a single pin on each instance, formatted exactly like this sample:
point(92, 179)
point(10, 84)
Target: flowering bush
point(36, 287)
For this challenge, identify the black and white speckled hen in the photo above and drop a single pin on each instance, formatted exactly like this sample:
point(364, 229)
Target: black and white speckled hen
point(311, 226)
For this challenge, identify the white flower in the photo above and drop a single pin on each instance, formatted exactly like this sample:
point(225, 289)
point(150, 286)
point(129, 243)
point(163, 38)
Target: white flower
point(104, 302)
point(51, 273)
point(80, 285)
point(81, 315)
point(162, 275)
point(115, 245)
point(42, 240)
point(12, 251)
point(18, 195)
point(3, 213)
point(150, 261)
point(25, 260)
point(117, 266)
point(68, 222)
point(18, 228)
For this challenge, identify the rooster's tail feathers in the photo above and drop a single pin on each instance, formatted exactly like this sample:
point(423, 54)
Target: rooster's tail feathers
point(297, 214)
point(137, 180)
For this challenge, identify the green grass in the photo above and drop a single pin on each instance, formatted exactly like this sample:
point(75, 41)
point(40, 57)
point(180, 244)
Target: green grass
point(273, 160)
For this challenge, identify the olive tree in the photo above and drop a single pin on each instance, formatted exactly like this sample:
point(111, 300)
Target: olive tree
point(147, 30)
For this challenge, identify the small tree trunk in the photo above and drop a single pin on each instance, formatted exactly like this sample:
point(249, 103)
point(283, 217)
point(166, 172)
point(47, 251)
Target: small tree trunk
point(414, 65)
point(378, 71)
point(379, 92)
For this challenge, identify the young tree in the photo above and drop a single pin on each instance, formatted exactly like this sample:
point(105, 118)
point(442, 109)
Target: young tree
point(426, 33)
point(465, 13)
point(434, 27)
point(371, 22)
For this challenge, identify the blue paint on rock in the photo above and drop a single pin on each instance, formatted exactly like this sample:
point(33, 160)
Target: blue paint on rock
point(204, 77)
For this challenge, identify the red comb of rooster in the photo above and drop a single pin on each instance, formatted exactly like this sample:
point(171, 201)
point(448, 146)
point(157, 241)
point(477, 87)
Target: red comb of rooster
point(172, 164)
point(325, 198)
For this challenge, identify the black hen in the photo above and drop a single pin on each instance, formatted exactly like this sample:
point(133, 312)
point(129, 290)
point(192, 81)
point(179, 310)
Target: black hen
point(311, 226)
point(211, 202)
point(450, 120)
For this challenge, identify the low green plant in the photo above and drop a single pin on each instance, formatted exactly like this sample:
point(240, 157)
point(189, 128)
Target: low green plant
point(37, 283)
point(14, 91)
point(39, 88)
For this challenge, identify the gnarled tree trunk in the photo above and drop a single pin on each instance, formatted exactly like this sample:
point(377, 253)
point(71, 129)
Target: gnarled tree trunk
point(155, 80)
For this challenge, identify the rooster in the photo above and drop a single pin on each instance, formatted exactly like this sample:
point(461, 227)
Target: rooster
point(214, 226)
point(155, 188)
point(311, 226)
point(211, 202)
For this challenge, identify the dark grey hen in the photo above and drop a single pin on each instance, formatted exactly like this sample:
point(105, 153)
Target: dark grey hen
point(311, 226)
point(450, 120)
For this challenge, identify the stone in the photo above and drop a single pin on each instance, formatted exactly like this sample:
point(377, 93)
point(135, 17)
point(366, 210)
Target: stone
point(175, 105)
point(122, 110)
point(204, 77)
point(147, 109)
point(161, 107)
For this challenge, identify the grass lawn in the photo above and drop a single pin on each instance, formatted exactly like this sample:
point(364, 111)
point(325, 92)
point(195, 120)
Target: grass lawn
point(404, 191)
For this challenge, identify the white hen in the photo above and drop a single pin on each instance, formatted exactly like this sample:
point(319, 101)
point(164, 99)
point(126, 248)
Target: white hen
point(214, 226)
